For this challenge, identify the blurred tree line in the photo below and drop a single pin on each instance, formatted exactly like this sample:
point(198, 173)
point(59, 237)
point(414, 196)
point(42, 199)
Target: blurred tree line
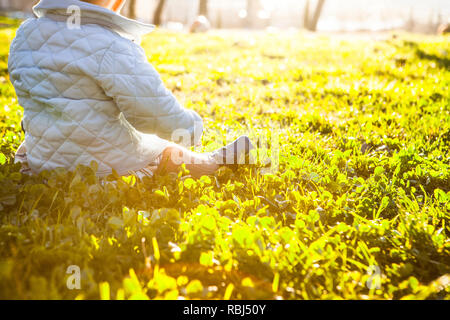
point(253, 7)
point(19, 5)
point(288, 13)
point(312, 12)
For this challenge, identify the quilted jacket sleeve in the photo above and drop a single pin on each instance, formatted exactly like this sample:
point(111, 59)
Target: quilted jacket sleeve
point(126, 76)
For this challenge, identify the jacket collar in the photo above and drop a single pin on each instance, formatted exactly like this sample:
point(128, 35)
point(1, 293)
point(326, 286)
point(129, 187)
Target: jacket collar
point(128, 28)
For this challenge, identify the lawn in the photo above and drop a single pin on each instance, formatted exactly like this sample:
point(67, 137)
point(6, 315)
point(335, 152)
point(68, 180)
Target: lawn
point(357, 206)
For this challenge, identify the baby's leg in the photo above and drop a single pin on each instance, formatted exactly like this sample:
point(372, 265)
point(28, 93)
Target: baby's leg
point(200, 164)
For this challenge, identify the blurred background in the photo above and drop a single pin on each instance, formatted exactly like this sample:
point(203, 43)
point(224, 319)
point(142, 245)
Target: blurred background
point(422, 16)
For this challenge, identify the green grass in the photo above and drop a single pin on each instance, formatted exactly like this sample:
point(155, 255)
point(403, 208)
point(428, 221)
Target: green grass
point(361, 195)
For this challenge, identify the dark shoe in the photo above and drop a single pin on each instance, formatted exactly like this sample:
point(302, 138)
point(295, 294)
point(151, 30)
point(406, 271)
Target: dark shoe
point(235, 153)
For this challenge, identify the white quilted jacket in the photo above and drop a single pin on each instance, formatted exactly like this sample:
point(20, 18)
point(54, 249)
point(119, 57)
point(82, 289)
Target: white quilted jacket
point(89, 93)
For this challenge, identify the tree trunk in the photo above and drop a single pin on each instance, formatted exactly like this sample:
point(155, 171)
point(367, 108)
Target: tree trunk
point(252, 13)
point(132, 9)
point(203, 8)
point(158, 12)
point(306, 15)
point(315, 18)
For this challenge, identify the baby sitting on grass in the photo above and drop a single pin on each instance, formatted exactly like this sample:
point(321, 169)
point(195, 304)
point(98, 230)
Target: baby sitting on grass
point(89, 94)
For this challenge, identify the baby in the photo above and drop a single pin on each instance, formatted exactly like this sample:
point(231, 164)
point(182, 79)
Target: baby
point(90, 94)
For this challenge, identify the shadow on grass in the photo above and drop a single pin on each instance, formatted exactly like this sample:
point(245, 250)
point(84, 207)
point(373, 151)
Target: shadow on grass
point(443, 62)
point(421, 54)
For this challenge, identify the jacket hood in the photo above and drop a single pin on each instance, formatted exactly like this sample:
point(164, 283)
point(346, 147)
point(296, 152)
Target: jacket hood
point(128, 28)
